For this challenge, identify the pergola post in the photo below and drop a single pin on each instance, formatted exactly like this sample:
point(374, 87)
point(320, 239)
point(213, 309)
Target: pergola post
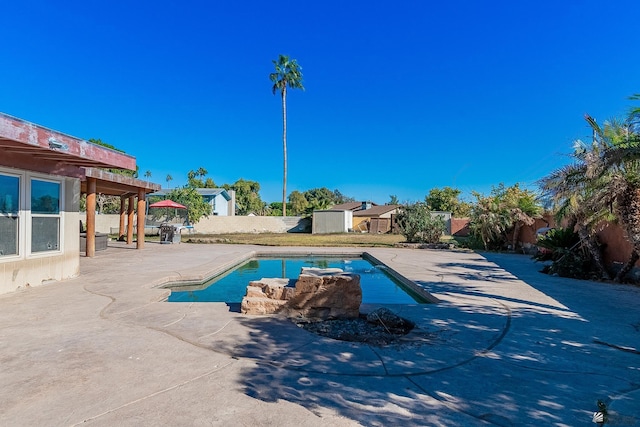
point(141, 218)
point(91, 218)
point(123, 213)
point(130, 220)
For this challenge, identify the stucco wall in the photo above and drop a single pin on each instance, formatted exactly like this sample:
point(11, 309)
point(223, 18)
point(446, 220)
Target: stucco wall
point(618, 249)
point(104, 223)
point(528, 233)
point(460, 227)
point(214, 224)
point(245, 224)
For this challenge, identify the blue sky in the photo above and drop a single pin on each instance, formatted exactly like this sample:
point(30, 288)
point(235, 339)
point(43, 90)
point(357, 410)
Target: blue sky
point(400, 97)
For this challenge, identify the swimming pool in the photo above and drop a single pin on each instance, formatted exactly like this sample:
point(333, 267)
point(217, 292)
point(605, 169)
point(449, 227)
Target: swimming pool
point(230, 287)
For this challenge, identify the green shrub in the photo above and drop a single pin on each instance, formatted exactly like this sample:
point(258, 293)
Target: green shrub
point(417, 224)
point(469, 242)
point(574, 264)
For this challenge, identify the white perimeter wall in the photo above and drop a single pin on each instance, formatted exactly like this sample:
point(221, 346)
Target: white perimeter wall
point(213, 224)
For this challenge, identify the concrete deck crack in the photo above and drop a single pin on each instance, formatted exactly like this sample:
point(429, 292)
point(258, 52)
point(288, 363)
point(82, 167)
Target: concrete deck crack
point(618, 347)
point(173, 387)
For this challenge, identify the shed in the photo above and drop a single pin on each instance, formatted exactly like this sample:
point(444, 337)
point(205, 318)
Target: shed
point(330, 221)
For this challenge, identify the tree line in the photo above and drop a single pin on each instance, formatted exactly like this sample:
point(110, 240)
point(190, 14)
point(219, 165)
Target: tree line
point(248, 200)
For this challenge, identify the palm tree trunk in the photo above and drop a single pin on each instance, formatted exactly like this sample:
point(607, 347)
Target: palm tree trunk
point(516, 234)
point(629, 211)
point(594, 251)
point(284, 147)
point(631, 262)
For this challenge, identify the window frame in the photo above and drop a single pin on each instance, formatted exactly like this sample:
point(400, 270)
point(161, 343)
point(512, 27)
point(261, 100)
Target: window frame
point(25, 216)
point(18, 215)
point(29, 232)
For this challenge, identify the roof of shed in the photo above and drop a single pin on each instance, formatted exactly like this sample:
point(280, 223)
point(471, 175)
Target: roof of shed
point(376, 210)
point(350, 206)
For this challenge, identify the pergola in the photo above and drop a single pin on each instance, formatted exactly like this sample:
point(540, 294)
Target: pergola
point(31, 147)
point(98, 181)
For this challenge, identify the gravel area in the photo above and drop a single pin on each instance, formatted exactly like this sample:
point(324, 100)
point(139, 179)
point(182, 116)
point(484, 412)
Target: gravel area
point(378, 328)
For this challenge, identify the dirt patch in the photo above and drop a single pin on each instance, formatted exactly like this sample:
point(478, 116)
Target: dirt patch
point(426, 245)
point(374, 330)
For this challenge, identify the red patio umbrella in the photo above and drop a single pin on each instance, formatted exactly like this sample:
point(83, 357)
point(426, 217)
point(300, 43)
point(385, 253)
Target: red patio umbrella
point(167, 204)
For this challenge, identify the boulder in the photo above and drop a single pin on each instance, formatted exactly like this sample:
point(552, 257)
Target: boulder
point(326, 294)
point(319, 294)
point(266, 296)
point(261, 305)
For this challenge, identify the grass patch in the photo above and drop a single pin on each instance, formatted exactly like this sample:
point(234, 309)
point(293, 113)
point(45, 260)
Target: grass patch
point(299, 239)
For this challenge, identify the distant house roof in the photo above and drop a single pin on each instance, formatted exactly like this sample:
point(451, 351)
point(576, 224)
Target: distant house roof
point(214, 192)
point(376, 211)
point(351, 206)
point(205, 192)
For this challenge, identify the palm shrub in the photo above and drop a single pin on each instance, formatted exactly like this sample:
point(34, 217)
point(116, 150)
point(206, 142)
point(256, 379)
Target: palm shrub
point(556, 242)
point(505, 211)
point(489, 221)
point(563, 248)
point(569, 255)
point(576, 264)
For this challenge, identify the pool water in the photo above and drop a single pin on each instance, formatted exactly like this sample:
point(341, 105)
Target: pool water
point(377, 286)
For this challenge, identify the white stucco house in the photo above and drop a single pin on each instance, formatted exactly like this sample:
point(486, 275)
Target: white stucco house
point(222, 201)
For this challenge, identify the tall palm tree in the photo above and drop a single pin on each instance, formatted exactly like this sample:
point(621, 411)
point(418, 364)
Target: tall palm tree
point(577, 200)
point(618, 167)
point(604, 182)
point(288, 74)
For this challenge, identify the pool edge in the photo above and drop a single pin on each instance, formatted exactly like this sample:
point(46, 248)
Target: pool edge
point(420, 291)
point(201, 279)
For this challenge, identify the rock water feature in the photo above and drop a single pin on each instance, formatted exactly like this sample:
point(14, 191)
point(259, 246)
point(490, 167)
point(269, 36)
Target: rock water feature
point(318, 294)
point(326, 302)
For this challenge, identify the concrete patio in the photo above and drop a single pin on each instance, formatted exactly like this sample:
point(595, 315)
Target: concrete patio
point(507, 346)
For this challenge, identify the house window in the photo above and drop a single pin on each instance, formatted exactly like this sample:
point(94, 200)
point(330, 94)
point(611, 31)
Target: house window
point(9, 218)
point(45, 215)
